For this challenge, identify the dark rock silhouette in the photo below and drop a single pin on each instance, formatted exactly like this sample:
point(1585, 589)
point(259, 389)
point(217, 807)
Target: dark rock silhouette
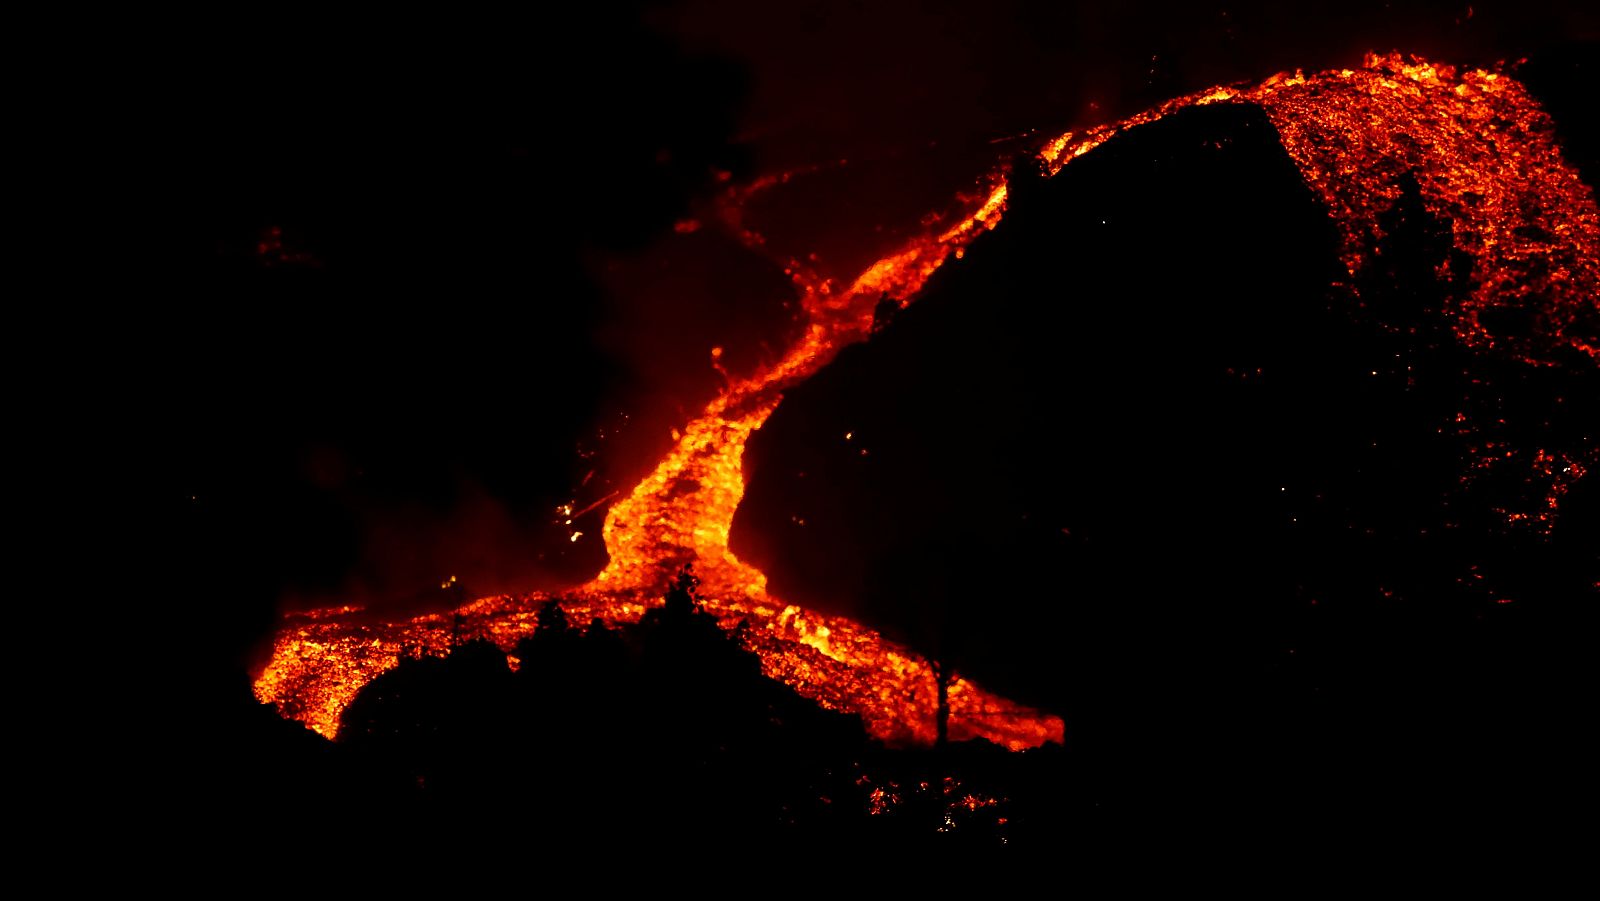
point(1132, 460)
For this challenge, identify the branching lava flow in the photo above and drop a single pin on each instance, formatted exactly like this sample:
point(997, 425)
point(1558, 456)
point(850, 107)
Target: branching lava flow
point(1484, 156)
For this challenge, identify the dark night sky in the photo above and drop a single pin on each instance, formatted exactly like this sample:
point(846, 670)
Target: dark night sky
point(478, 277)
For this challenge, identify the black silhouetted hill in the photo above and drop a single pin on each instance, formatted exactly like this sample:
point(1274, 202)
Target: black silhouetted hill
point(667, 729)
point(663, 735)
point(1132, 459)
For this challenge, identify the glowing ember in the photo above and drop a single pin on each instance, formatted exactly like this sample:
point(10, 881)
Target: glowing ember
point(1483, 155)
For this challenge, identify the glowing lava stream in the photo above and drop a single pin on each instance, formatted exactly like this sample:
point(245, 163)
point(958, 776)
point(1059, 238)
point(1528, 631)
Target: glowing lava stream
point(1483, 154)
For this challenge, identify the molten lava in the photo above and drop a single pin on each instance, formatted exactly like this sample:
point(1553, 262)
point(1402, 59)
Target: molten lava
point(1486, 160)
point(1483, 154)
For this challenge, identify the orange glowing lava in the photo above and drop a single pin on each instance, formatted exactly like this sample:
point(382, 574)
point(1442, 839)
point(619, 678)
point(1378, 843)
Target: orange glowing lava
point(1484, 156)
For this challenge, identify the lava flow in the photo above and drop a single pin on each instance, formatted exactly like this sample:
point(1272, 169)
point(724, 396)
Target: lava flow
point(1484, 157)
